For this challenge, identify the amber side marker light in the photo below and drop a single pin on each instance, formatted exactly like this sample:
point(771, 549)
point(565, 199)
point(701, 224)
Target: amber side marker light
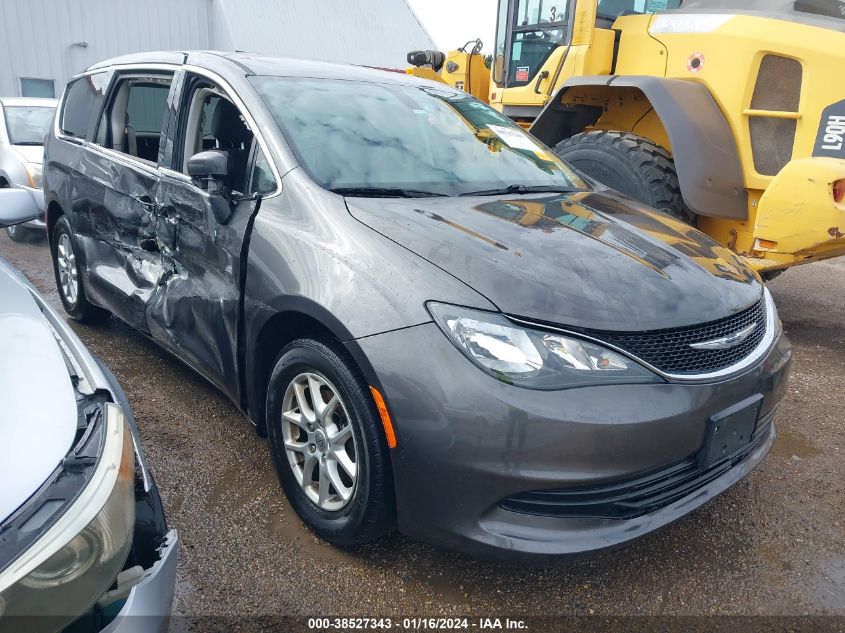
point(839, 190)
point(764, 245)
point(385, 418)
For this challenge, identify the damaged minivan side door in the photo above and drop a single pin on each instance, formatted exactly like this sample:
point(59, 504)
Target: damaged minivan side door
point(197, 309)
point(120, 165)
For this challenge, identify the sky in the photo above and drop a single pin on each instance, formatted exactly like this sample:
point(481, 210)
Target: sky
point(452, 23)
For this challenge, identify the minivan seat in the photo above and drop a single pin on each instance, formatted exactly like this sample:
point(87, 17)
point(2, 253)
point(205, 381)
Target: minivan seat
point(233, 136)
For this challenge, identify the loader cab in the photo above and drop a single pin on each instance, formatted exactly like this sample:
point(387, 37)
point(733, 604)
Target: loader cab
point(529, 32)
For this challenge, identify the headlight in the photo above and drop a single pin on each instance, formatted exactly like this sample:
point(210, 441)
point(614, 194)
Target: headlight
point(78, 558)
point(533, 358)
point(34, 175)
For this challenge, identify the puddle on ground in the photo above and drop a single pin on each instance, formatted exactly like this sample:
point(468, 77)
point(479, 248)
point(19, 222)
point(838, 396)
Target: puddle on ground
point(831, 590)
point(789, 444)
point(284, 524)
point(236, 487)
point(772, 555)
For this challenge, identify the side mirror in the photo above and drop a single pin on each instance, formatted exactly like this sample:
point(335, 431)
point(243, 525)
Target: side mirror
point(16, 206)
point(212, 166)
point(435, 59)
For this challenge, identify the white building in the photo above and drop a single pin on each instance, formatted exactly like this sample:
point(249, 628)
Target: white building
point(45, 42)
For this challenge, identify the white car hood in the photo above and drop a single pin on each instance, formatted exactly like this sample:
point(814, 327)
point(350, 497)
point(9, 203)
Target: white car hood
point(37, 402)
point(30, 153)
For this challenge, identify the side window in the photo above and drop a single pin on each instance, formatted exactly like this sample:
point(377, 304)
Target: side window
point(133, 120)
point(82, 103)
point(263, 181)
point(610, 9)
point(146, 106)
point(540, 29)
point(32, 87)
point(214, 122)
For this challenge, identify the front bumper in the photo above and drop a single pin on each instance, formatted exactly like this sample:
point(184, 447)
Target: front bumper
point(147, 609)
point(466, 442)
point(148, 605)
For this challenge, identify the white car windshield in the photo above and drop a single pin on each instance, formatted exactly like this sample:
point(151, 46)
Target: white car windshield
point(424, 140)
point(28, 125)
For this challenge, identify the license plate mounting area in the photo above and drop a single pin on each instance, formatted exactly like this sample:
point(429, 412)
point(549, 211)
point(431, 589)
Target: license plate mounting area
point(730, 430)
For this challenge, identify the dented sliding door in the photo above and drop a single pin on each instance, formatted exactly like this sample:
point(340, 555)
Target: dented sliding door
point(123, 261)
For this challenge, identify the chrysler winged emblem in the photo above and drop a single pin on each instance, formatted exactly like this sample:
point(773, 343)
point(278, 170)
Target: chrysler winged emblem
point(726, 342)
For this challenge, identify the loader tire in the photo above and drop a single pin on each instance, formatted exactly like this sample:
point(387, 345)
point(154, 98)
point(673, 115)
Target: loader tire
point(630, 164)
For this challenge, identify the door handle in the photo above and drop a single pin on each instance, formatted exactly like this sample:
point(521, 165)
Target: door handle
point(144, 200)
point(540, 79)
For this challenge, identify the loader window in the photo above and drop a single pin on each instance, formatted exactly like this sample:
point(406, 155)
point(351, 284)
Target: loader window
point(538, 12)
point(825, 8)
point(539, 28)
point(353, 134)
point(612, 9)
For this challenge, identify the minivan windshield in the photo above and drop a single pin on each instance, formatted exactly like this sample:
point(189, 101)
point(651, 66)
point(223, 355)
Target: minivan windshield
point(28, 125)
point(363, 138)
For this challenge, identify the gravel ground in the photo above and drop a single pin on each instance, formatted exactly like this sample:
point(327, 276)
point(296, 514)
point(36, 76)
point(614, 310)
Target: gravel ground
point(772, 545)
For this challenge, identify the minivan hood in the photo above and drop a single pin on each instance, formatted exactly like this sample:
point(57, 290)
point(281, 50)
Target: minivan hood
point(30, 153)
point(37, 403)
point(594, 260)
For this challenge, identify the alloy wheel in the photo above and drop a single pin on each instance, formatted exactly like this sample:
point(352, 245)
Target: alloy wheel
point(319, 441)
point(68, 273)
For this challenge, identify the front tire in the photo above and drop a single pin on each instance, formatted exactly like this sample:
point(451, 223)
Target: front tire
point(68, 278)
point(630, 164)
point(328, 449)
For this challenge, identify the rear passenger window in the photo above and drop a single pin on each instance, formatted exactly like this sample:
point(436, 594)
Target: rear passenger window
point(146, 107)
point(133, 120)
point(83, 100)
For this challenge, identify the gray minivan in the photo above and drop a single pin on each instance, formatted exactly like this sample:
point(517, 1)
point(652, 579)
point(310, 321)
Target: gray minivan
point(436, 322)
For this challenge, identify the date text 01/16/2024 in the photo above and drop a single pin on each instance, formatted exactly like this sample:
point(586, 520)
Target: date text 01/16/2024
point(416, 624)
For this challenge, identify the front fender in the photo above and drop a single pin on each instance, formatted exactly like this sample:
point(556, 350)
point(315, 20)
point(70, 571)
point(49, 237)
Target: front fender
point(703, 146)
point(11, 169)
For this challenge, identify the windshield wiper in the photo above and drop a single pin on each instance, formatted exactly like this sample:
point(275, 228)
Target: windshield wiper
point(521, 189)
point(385, 192)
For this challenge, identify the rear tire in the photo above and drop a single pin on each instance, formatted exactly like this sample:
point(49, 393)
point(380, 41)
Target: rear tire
point(630, 164)
point(358, 506)
point(68, 277)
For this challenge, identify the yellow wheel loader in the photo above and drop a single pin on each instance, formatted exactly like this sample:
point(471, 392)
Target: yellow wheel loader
point(727, 115)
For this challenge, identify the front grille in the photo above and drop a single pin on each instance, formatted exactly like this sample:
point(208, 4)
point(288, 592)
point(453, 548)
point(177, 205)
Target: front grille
point(669, 350)
point(634, 497)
